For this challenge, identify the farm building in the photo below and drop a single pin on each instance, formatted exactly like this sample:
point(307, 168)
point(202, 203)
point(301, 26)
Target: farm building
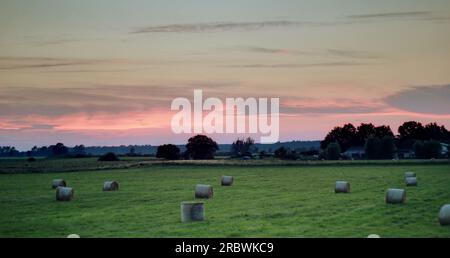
point(444, 149)
point(357, 152)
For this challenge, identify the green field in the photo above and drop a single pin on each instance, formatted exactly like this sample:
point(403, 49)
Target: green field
point(265, 201)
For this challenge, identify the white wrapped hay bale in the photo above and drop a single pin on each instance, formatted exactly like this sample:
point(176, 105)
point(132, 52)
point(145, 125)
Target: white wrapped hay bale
point(410, 174)
point(227, 180)
point(411, 181)
point(203, 191)
point(373, 236)
point(110, 186)
point(58, 182)
point(342, 187)
point(73, 236)
point(192, 211)
point(444, 215)
point(64, 193)
point(396, 196)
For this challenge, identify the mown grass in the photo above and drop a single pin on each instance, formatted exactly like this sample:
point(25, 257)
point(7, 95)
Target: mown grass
point(264, 202)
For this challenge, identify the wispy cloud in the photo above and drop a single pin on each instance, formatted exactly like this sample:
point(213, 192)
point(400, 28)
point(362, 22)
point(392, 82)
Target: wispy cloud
point(415, 14)
point(209, 27)
point(266, 50)
point(226, 26)
point(411, 15)
point(17, 63)
point(308, 65)
point(345, 53)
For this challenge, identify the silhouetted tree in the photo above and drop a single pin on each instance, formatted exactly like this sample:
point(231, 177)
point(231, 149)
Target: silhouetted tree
point(433, 131)
point(427, 149)
point(8, 151)
point(345, 136)
point(364, 131)
point(79, 150)
point(58, 150)
point(241, 148)
point(168, 151)
point(373, 148)
point(333, 151)
point(411, 130)
point(387, 147)
point(201, 147)
point(383, 131)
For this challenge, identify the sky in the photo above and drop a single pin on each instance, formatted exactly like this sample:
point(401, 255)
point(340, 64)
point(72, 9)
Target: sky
point(104, 72)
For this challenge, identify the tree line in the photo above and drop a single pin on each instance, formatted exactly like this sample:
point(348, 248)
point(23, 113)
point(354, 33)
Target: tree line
point(379, 142)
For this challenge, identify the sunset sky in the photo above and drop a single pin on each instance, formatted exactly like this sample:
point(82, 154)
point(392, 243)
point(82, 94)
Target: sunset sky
point(104, 72)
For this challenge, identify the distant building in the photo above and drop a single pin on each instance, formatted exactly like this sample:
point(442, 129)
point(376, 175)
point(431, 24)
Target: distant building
point(356, 152)
point(405, 154)
point(444, 149)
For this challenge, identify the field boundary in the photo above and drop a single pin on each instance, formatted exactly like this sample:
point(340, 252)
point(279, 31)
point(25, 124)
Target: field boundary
point(220, 163)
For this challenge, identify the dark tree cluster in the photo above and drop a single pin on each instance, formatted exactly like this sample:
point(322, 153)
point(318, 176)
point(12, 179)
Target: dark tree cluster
point(8, 151)
point(383, 148)
point(286, 154)
point(409, 132)
point(201, 147)
point(349, 135)
point(168, 151)
point(241, 148)
point(428, 149)
point(381, 143)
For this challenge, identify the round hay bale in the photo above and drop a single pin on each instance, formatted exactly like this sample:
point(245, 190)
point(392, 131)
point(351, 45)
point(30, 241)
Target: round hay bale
point(373, 236)
point(192, 211)
point(444, 215)
point(73, 236)
point(203, 191)
point(411, 181)
point(111, 186)
point(227, 180)
point(64, 193)
point(396, 196)
point(342, 187)
point(410, 174)
point(58, 182)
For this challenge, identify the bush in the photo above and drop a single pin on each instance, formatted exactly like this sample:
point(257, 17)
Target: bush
point(168, 151)
point(201, 147)
point(333, 151)
point(31, 159)
point(427, 149)
point(110, 156)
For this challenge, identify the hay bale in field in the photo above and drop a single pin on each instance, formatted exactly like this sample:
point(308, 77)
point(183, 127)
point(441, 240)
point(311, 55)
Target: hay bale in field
point(342, 187)
point(410, 174)
point(64, 193)
point(203, 191)
point(227, 180)
point(396, 196)
point(444, 215)
point(111, 186)
point(411, 181)
point(192, 211)
point(373, 236)
point(58, 182)
point(73, 236)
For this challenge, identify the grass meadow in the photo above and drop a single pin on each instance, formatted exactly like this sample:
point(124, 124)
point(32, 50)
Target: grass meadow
point(265, 201)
